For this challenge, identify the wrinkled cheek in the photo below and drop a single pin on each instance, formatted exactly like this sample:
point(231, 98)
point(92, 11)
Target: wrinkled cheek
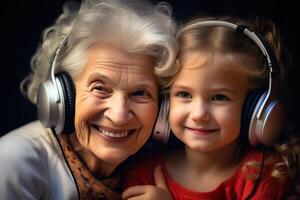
point(86, 109)
point(82, 131)
point(82, 117)
point(138, 144)
point(146, 132)
point(140, 140)
point(89, 108)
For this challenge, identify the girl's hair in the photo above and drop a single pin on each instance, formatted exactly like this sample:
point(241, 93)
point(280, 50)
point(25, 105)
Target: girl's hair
point(233, 47)
point(133, 25)
point(230, 46)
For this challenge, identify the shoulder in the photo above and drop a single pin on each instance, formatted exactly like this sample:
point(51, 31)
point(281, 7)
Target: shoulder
point(263, 170)
point(31, 166)
point(26, 150)
point(23, 169)
point(274, 187)
point(268, 160)
point(140, 170)
point(146, 161)
point(149, 160)
point(26, 141)
point(25, 146)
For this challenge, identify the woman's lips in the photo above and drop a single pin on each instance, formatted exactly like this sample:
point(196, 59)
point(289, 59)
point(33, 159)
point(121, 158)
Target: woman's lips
point(113, 133)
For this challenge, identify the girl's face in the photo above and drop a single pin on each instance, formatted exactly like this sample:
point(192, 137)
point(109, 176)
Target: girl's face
point(206, 101)
point(116, 103)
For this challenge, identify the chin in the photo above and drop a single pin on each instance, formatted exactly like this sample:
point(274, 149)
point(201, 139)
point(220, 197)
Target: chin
point(113, 157)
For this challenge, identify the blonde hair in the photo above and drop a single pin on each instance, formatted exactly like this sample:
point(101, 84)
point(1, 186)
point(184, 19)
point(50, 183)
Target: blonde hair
point(134, 25)
point(235, 48)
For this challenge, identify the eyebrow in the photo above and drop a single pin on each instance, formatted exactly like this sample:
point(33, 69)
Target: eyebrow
point(181, 87)
point(97, 77)
point(223, 89)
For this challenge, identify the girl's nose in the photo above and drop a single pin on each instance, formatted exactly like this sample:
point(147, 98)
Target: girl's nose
point(200, 111)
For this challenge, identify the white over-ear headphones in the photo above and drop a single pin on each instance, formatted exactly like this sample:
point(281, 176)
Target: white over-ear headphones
point(56, 98)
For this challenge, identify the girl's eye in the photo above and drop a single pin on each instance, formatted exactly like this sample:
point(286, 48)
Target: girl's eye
point(220, 97)
point(183, 94)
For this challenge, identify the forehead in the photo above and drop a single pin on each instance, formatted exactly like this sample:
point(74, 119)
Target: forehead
point(117, 64)
point(115, 58)
point(199, 57)
point(225, 61)
point(210, 68)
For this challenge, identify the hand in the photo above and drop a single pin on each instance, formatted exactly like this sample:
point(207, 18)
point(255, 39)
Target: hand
point(148, 192)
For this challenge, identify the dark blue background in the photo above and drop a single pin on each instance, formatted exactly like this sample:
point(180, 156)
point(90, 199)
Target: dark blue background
point(22, 22)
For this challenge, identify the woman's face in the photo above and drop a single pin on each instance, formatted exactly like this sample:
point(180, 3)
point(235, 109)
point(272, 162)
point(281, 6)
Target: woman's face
point(116, 103)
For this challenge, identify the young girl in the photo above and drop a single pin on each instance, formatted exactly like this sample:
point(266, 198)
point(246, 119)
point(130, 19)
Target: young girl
point(226, 71)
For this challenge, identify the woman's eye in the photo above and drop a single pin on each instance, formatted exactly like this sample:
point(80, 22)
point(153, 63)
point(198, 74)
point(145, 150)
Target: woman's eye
point(220, 97)
point(99, 88)
point(140, 93)
point(141, 96)
point(183, 94)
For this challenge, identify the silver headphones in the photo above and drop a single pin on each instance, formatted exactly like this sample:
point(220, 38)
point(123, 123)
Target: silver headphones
point(263, 112)
point(56, 98)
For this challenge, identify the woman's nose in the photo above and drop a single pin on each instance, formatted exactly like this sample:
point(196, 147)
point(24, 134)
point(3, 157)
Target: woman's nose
point(200, 111)
point(118, 110)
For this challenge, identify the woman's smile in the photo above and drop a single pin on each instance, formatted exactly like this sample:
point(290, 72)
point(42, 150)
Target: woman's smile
point(113, 133)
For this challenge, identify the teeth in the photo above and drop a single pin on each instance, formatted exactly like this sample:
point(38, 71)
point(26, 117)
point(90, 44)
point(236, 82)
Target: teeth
point(114, 135)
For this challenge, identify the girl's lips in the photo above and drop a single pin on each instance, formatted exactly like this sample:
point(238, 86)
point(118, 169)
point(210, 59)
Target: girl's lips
point(202, 131)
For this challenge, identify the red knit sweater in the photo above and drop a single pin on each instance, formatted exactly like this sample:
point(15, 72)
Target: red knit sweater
point(236, 187)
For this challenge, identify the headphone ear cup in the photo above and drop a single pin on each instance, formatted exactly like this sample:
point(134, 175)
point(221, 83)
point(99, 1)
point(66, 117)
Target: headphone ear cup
point(69, 101)
point(269, 126)
point(161, 131)
point(250, 105)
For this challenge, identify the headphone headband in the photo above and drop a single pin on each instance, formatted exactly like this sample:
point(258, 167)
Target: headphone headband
point(51, 72)
point(239, 28)
point(256, 38)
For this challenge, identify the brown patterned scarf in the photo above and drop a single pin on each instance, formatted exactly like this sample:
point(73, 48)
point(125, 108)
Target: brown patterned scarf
point(89, 186)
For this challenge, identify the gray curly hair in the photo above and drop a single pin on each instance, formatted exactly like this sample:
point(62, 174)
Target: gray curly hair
point(133, 25)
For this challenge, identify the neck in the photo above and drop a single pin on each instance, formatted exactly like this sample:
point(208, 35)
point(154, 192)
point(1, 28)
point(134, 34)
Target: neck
point(216, 160)
point(192, 168)
point(96, 166)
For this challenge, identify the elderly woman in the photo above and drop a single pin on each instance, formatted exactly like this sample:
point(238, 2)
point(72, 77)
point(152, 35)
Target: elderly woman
point(96, 79)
